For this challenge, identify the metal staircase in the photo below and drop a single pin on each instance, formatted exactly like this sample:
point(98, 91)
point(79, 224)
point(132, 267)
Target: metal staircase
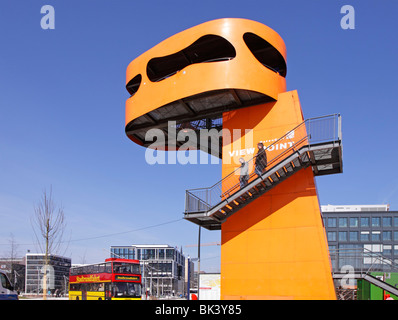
point(363, 264)
point(319, 147)
point(368, 277)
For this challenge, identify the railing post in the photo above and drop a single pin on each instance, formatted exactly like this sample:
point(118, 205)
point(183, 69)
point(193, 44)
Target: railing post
point(334, 128)
point(340, 132)
point(186, 201)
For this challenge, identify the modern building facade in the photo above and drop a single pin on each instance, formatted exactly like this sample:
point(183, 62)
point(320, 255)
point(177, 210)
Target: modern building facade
point(57, 273)
point(163, 267)
point(362, 236)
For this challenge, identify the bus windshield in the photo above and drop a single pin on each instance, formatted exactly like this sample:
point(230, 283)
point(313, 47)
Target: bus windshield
point(120, 267)
point(126, 289)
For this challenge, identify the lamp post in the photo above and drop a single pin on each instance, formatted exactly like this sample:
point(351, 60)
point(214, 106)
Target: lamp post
point(189, 267)
point(199, 259)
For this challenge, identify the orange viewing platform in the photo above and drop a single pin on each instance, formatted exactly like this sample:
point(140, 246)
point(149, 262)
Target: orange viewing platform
point(227, 75)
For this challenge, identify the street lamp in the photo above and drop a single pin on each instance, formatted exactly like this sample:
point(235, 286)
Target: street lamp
point(199, 259)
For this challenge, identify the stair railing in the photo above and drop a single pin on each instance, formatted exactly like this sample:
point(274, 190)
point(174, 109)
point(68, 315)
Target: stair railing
point(311, 131)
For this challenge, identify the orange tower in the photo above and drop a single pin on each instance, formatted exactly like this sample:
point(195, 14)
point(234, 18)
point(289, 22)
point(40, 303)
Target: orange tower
point(220, 87)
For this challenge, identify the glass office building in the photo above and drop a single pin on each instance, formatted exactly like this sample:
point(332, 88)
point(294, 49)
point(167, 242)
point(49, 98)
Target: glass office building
point(363, 237)
point(57, 273)
point(163, 267)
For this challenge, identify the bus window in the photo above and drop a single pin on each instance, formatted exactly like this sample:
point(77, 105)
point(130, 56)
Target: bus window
point(126, 268)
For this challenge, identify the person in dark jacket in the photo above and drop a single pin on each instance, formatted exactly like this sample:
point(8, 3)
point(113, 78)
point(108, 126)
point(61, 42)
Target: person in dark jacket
point(261, 159)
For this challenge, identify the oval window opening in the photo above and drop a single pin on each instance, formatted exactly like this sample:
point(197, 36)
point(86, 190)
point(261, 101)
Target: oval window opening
point(265, 53)
point(133, 85)
point(209, 48)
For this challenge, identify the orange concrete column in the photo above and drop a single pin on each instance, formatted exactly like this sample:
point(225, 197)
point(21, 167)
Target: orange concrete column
point(275, 247)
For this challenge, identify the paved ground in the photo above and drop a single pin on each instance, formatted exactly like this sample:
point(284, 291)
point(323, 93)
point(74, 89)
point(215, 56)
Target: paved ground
point(41, 298)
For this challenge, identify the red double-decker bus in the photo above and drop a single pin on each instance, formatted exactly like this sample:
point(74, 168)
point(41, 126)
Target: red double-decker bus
point(115, 279)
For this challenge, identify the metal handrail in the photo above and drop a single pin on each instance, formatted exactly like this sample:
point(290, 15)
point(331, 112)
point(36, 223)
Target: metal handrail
point(214, 194)
point(378, 262)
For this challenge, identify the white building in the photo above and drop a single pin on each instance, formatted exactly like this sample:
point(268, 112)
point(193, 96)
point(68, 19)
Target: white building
point(354, 208)
point(163, 266)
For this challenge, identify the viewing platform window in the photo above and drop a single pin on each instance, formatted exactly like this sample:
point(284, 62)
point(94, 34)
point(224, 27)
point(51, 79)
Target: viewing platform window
point(209, 48)
point(133, 85)
point(265, 53)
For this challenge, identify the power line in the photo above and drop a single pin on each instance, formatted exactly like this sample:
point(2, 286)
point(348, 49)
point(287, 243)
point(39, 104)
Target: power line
point(124, 232)
point(106, 235)
point(205, 244)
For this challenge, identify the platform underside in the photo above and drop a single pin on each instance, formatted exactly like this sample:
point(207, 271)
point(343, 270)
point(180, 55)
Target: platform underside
point(201, 111)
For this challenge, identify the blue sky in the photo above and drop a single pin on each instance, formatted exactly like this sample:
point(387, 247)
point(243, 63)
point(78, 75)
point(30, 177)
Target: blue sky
point(62, 102)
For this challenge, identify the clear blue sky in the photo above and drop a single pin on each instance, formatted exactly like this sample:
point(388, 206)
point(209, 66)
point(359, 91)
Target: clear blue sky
point(62, 100)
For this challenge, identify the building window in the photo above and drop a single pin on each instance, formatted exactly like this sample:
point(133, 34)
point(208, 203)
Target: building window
point(354, 222)
point(376, 236)
point(343, 236)
point(395, 221)
point(396, 235)
point(372, 248)
point(353, 235)
point(343, 222)
point(148, 254)
point(387, 250)
point(170, 254)
point(115, 252)
point(332, 222)
point(365, 222)
point(365, 236)
point(375, 221)
point(386, 235)
point(347, 255)
point(332, 236)
point(386, 221)
point(395, 250)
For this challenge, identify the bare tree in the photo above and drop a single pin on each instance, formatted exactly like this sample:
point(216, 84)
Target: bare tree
point(83, 258)
point(48, 225)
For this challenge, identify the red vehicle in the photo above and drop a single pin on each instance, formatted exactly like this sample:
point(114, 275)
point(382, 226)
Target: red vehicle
point(115, 279)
